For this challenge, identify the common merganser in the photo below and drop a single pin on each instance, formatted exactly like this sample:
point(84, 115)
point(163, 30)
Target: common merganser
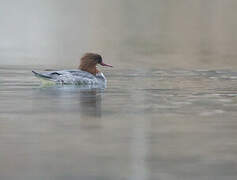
point(86, 74)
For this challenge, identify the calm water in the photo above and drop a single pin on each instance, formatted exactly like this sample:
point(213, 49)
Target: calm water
point(148, 124)
point(157, 119)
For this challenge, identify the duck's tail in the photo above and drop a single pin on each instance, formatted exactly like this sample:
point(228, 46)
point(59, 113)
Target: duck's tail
point(40, 75)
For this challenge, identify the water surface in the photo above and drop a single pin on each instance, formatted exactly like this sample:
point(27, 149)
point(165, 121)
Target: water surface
point(148, 124)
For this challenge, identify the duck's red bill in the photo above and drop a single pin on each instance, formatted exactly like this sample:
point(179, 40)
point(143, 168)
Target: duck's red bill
point(103, 64)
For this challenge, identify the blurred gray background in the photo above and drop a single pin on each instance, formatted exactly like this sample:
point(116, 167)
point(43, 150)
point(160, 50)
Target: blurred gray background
point(128, 33)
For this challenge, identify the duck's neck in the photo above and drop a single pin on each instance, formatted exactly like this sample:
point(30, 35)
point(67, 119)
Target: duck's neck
point(92, 70)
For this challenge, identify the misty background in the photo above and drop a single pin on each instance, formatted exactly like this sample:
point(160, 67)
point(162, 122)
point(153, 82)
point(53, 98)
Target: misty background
point(128, 33)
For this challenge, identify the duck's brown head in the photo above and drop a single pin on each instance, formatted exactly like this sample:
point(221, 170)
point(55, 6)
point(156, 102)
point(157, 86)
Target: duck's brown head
point(89, 61)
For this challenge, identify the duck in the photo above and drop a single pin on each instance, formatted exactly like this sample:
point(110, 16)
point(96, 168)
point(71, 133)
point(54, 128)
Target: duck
point(87, 73)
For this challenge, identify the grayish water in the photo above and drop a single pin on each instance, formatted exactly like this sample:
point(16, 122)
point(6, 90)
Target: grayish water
point(157, 120)
point(135, 33)
point(148, 124)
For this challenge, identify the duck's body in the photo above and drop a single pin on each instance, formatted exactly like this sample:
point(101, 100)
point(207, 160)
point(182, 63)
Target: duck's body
point(72, 76)
point(87, 74)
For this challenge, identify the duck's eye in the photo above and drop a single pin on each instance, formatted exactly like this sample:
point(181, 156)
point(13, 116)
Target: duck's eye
point(99, 61)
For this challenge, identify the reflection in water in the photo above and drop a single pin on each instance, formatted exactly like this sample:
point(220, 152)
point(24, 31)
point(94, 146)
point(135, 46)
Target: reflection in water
point(90, 103)
point(139, 150)
point(154, 124)
point(87, 102)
